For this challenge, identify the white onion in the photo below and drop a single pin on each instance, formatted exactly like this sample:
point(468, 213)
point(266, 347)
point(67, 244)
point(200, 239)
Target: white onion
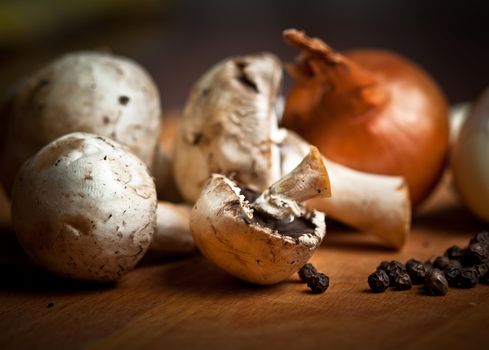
point(470, 161)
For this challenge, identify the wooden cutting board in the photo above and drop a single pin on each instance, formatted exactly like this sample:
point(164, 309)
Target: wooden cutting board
point(190, 304)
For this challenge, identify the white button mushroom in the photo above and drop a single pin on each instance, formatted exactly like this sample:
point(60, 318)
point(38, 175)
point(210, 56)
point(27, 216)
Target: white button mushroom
point(229, 126)
point(81, 92)
point(84, 207)
point(263, 238)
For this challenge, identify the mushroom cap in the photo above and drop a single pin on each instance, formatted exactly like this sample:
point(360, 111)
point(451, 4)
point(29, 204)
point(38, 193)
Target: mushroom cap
point(81, 92)
point(229, 125)
point(222, 227)
point(84, 207)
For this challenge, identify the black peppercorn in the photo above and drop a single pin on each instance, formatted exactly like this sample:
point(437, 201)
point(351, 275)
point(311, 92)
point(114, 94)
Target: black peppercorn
point(468, 278)
point(428, 263)
point(484, 278)
point(476, 253)
point(416, 270)
point(441, 263)
point(306, 272)
point(455, 263)
point(403, 282)
point(318, 283)
point(481, 270)
point(455, 252)
point(481, 237)
point(452, 275)
point(395, 269)
point(435, 283)
point(378, 281)
point(411, 263)
point(384, 265)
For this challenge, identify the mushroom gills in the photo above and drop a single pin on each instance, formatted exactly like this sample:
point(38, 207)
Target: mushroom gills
point(297, 227)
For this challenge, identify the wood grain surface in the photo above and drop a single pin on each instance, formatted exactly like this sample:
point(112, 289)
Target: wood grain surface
point(188, 303)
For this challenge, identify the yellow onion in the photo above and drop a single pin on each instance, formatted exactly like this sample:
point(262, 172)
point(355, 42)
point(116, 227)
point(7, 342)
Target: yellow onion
point(371, 110)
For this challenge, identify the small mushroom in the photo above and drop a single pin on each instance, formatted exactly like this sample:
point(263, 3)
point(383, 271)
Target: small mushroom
point(229, 126)
point(80, 92)
point(263, 238)
point(84, 207)
point(172, 235)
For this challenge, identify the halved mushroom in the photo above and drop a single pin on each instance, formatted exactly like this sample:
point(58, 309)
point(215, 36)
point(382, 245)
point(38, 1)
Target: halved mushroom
point(229, 126)
point(263, 238)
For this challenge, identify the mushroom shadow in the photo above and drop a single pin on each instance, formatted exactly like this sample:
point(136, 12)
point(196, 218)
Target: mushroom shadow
point(20, 275)
point(342, 237)
point(197, 275)
point(360, 243)
point(453, 219)
point(152, 258)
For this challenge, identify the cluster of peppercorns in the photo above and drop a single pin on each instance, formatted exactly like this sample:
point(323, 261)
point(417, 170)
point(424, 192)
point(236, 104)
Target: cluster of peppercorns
point(458, 267)
point(316, 281)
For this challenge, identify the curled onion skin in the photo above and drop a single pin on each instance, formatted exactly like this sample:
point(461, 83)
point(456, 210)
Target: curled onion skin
point(371, 110)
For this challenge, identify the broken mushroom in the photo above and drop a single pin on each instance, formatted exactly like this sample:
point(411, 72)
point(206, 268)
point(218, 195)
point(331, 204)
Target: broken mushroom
point(84, 208)
point(372, 203)
point(80, 92)
point(229, 126)
point(264, 238)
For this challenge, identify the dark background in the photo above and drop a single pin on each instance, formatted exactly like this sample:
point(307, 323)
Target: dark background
point(178, 40)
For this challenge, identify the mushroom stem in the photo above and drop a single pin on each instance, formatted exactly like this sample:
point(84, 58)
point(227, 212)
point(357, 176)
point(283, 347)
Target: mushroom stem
point(374, 203)
point(172, 234)
point(306, 181)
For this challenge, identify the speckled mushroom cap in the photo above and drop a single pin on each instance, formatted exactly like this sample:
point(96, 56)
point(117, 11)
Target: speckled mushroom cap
point(223, 228)
point(80, 92)
point(229, 125)
point(84, 207)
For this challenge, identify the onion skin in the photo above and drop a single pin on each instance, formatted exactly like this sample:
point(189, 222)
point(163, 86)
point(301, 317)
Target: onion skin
point(371, 110)
point(469, 163)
